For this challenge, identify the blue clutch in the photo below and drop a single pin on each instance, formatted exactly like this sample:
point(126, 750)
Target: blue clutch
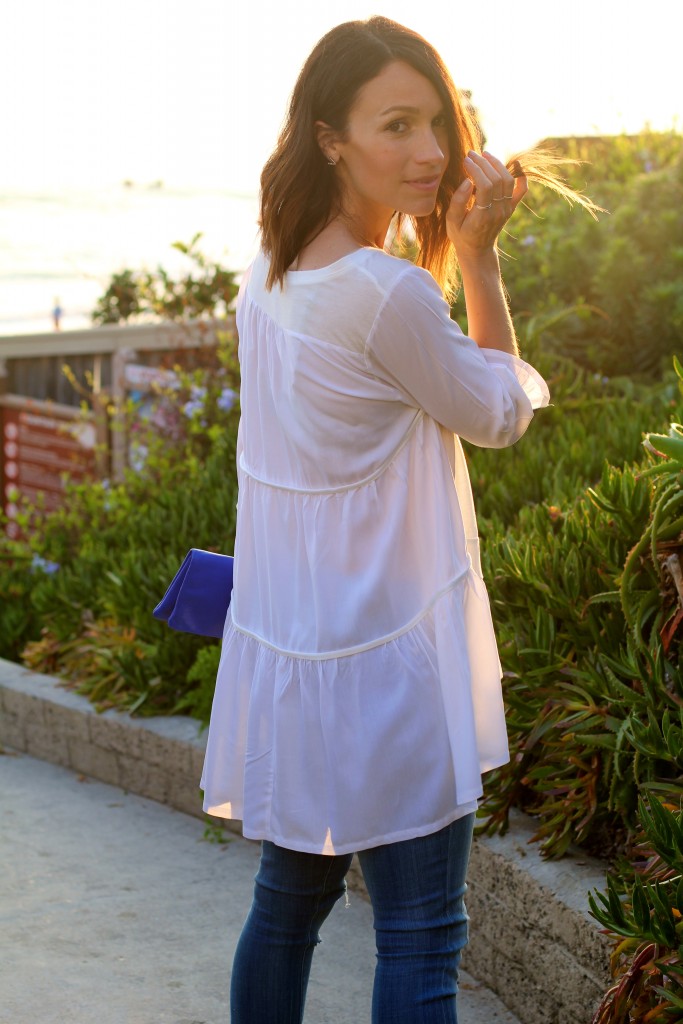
point(198, 598)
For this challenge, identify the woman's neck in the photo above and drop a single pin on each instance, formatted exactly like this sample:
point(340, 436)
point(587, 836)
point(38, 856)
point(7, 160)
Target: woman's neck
point(337, 239)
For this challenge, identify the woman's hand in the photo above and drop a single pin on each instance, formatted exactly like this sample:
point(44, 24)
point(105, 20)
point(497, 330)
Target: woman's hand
point(473, 224)
point(473, 227)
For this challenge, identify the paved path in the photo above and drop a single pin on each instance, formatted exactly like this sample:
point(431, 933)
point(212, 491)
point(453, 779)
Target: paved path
point(115, 910)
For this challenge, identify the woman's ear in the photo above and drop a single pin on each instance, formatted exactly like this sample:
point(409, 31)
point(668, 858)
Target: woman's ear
point(327, 139)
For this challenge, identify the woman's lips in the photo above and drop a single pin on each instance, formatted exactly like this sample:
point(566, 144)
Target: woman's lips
point(425, 184)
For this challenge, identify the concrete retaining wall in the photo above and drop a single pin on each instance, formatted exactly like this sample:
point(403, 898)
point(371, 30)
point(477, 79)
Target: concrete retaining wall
point(532, 941)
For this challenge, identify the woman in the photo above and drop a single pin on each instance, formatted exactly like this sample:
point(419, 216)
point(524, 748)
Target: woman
point(358, 698)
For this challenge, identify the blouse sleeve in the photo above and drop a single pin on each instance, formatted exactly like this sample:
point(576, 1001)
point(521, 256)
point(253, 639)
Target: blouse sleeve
point(484, 395)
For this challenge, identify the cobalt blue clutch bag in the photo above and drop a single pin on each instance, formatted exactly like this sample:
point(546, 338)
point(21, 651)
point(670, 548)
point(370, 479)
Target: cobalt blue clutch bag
point(198, 598)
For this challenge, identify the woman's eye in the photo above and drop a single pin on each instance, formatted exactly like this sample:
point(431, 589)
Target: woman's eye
point(397, 126)
point(439, 121)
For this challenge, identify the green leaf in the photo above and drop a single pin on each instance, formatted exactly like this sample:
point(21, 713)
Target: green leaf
point(641, 909)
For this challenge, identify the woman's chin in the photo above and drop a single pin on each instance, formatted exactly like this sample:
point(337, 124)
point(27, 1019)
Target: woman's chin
point(424, 208)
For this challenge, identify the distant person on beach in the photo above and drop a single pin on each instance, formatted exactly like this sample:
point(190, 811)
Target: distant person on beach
point(57, 315)
point(358, 698)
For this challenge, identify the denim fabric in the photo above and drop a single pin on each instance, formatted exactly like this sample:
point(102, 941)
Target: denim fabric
point(417, 890)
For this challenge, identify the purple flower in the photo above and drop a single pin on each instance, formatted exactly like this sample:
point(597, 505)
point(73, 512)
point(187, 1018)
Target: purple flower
point(226, 399)
point(137, 457)
point(190, 408)
point(38, 562)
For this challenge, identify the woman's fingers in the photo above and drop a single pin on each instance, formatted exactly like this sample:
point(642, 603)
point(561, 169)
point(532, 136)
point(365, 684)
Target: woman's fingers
point(483, 177)
point(494, 182)
point(475, 220)
point(457, 211)
point(503, 176)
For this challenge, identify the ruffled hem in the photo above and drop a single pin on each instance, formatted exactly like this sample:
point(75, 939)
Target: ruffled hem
point(344, 754)
point(362, 844)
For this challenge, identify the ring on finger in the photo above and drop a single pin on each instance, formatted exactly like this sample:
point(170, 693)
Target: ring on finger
point(478, 207)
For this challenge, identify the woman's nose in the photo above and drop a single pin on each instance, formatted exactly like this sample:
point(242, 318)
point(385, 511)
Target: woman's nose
point(430, 149)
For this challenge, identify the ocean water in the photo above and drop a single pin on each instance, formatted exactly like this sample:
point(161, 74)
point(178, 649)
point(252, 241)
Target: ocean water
point(64, 245)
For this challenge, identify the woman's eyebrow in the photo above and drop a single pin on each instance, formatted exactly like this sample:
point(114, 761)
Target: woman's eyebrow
point(403, 109)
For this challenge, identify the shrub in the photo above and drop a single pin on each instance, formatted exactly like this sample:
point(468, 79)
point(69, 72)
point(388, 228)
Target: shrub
point(587, 613)
point(20, 570)
point(118, 546)
point(592, 419)
point(645, 918)
point(625, 268)
point(206, 288)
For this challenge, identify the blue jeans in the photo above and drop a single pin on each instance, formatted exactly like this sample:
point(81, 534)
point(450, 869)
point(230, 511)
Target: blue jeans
point(417, 890)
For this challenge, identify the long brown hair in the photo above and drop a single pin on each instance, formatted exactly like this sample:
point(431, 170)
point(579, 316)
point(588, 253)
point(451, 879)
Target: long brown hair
point(300, 192)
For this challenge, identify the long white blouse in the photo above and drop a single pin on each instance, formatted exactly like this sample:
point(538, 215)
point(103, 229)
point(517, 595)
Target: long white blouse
point(358, 698)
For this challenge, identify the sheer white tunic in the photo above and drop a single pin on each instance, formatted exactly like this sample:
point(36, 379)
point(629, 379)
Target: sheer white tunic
point(358, 698)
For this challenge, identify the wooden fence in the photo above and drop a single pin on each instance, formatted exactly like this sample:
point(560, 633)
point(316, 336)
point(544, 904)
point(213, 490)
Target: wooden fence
point(46, 380)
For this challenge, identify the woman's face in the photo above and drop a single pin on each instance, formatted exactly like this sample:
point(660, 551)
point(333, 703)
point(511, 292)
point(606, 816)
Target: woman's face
point(395, 149)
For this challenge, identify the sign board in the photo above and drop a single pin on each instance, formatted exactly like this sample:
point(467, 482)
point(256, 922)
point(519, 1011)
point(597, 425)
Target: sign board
point(145, 378)
point(42, 444)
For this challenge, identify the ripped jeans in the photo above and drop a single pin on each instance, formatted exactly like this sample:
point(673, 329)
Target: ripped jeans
point(417, 890)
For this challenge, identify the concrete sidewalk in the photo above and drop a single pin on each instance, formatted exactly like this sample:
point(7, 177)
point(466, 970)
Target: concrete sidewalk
point(115, 910)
